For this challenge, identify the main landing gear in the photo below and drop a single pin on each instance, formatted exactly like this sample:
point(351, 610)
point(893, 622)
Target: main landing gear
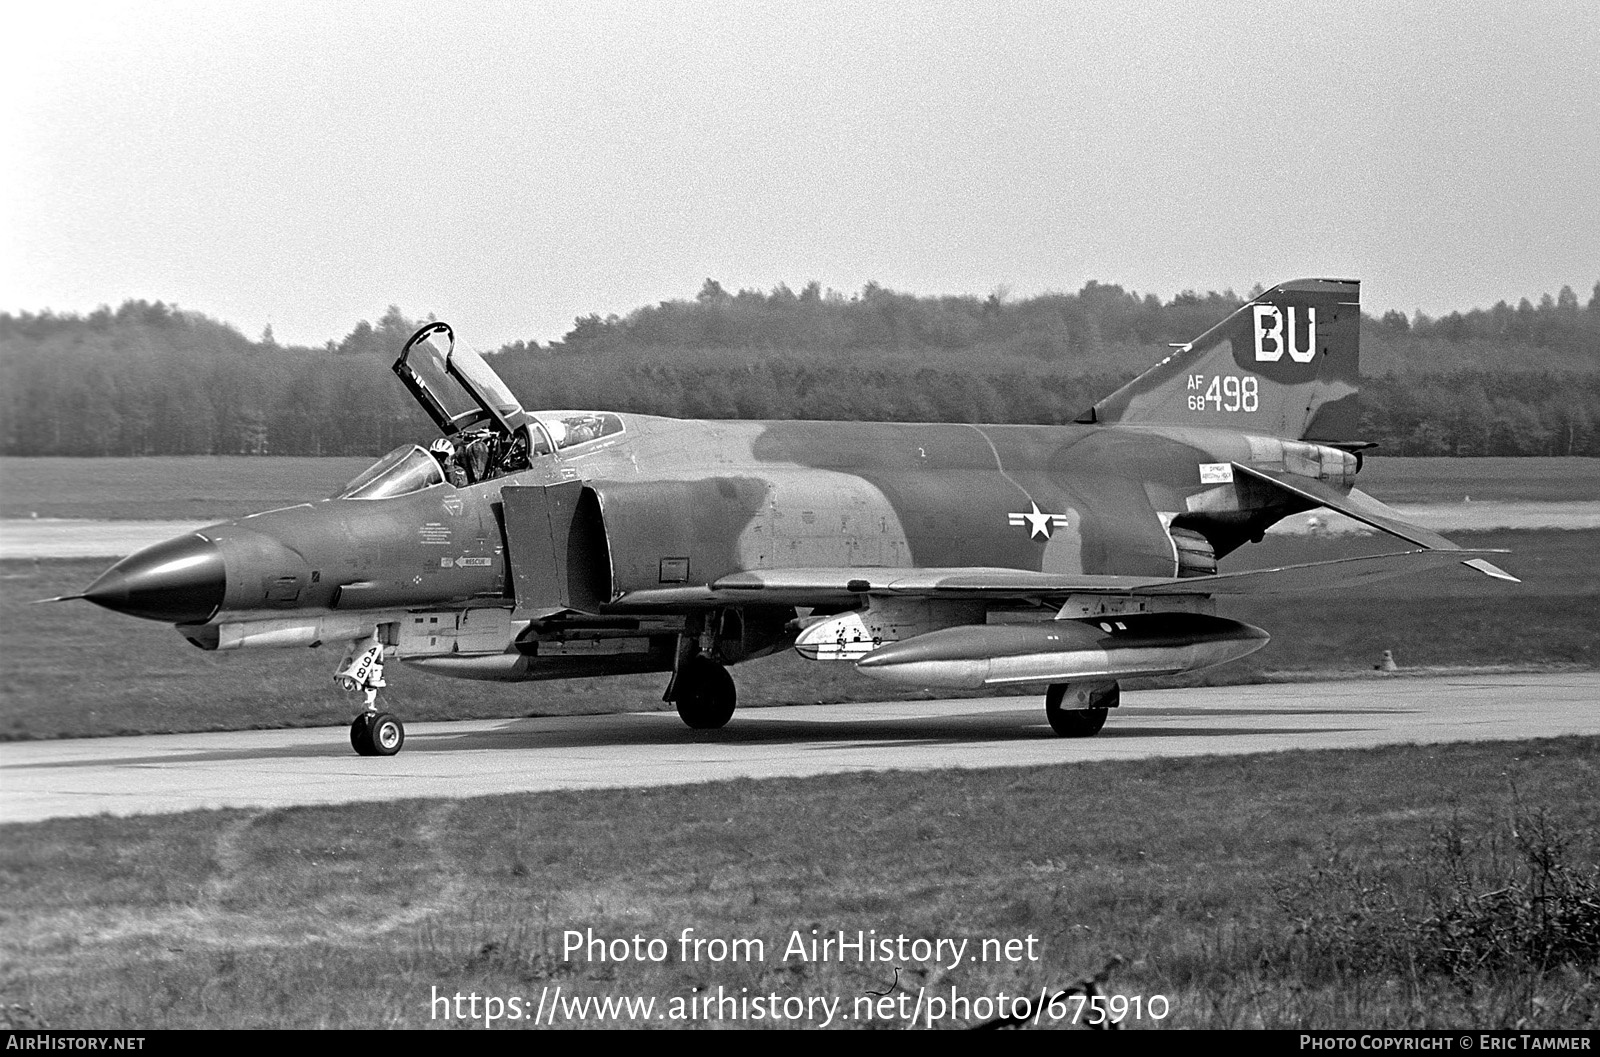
point(704, 693)
point(1078, 710)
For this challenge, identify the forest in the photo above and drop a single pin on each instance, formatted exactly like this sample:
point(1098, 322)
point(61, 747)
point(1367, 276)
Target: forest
point(153, 379)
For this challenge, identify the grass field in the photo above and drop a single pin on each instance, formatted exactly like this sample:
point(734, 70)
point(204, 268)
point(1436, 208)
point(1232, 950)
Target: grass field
point(1409, 480)
point(74, 670)
point(1284, 891)
point(166, 488)
point(201, 488)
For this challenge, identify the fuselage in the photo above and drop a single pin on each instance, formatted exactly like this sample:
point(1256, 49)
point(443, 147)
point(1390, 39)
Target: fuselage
point(685, 502)
point(544, 545)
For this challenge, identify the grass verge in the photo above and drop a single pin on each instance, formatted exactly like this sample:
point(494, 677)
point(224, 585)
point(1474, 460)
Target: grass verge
point(166, 488)
point(1293, 890)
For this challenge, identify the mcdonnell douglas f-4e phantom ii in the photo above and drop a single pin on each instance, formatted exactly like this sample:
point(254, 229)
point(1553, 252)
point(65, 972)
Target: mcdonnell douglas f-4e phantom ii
point(551, 544)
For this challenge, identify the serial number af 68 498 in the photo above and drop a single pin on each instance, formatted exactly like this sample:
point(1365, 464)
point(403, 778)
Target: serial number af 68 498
point(1224, 392)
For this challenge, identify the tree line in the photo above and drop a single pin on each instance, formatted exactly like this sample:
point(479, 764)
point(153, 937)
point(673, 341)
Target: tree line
point(150, 379)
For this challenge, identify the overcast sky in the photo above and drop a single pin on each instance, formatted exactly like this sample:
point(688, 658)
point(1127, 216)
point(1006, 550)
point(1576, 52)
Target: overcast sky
point(510, 166)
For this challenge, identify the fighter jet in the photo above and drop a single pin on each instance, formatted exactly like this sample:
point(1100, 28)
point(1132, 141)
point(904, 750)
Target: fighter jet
point(528, 545)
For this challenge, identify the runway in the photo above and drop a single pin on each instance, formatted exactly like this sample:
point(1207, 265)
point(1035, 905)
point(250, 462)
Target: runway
point(280, 768)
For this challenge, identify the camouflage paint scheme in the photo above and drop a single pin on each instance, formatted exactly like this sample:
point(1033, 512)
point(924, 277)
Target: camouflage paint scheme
point(661, 540)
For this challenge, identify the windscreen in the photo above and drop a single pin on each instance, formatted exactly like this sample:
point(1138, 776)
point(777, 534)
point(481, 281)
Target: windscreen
point(406, 469)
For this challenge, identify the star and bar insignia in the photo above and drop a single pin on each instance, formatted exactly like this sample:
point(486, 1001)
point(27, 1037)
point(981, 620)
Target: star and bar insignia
point(1039, 523)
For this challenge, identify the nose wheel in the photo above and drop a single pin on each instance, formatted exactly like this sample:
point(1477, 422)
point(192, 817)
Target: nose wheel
point(377, 734)
point(373, 733)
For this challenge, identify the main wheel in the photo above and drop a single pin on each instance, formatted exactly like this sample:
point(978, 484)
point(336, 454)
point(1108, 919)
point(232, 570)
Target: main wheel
point(378, 734)
point(706, 694)
point(1079, 722)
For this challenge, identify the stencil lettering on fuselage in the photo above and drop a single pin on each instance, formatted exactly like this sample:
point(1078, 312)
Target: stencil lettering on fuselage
point(823, 518)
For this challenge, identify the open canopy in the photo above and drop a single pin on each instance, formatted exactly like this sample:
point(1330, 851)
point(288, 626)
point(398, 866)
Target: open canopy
point(453, 384)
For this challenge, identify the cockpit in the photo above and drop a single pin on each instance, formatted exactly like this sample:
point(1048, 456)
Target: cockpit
point(568, 429)
point(486, 432)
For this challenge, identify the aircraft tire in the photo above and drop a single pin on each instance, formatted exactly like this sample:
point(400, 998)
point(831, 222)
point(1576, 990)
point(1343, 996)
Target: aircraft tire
point(377, 735)
point(706, 694)
point(361, 736)
point(388, 734)
point(1078, 722)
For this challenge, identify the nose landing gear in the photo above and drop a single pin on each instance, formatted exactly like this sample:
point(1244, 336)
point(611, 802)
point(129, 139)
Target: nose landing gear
point(373, 733)
point(377, 734)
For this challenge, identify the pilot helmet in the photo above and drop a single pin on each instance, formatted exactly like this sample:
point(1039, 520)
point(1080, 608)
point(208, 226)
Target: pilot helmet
point(441, 447)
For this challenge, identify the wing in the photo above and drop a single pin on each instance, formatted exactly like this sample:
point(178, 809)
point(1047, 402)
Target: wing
point(833, 586)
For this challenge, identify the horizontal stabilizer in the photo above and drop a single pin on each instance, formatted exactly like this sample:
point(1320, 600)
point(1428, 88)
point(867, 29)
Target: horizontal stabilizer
point(1358, 506)
point(1490, 569)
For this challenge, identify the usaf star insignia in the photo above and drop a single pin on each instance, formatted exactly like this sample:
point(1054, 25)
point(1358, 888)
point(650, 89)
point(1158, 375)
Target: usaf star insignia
point(1039, 523)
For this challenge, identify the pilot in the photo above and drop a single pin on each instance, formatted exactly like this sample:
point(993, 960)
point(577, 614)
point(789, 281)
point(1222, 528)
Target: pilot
point(445, 452)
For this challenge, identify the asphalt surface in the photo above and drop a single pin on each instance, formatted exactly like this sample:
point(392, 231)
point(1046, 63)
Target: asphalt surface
point(71, 538)
point(279, 768)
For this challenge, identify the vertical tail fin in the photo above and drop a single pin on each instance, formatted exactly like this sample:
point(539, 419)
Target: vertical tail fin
point(1287, 364)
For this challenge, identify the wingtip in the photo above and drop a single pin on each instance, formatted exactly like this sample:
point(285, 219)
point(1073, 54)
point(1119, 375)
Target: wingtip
point(1490, 569)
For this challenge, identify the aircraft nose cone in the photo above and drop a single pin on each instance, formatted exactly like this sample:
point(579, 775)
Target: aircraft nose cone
point(180, 581)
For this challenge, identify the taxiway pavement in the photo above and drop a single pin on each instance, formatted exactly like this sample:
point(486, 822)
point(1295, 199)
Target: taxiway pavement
point(280, 768)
